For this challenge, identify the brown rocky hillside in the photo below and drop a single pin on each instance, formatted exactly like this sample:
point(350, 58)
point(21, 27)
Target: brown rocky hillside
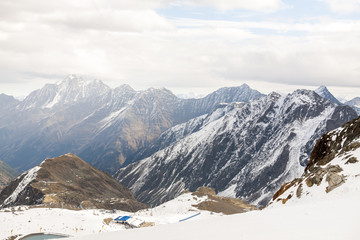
point(68, 181)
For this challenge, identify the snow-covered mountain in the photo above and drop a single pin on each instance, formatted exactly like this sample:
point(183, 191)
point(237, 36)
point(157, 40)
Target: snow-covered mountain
point(325, 93)
point(242, 150)
point(105, 126)
point(71, 90)
point(333, 168)
point(355, 104)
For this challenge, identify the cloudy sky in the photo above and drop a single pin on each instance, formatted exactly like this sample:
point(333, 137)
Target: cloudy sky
point(188, 46)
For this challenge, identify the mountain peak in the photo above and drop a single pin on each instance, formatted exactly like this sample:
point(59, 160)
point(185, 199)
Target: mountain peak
point(71, 79)
point(325, 93)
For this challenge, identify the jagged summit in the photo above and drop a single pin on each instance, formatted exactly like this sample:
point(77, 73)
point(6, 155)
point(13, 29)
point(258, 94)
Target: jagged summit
point(325, 93)
point(66, 92)
point(68, 181)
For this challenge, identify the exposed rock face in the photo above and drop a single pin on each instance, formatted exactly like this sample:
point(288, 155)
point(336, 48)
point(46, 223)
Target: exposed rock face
point(68, 181)
point(334, 161)
point(241, 150)
point(105, 126)
point(220, 204)
point(6, 174)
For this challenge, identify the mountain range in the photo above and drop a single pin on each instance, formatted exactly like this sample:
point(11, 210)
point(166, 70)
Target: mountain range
point(105, 126)
point(236, 140)
point(245, 150)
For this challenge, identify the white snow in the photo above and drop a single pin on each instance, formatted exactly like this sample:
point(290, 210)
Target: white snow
point(331, 216)
point(27, 220)
point(325, 219)
point(29, 176)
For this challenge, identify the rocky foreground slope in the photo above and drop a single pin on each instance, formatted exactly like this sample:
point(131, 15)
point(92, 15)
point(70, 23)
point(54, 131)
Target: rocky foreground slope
point(334, 167)
point(68, 181)
point(241, 150)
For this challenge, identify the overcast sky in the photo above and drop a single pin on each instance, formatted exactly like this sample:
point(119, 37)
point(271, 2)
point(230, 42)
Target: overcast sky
point(186, 46)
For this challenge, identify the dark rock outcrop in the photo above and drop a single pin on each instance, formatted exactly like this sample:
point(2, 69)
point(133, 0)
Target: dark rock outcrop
point(332, 163)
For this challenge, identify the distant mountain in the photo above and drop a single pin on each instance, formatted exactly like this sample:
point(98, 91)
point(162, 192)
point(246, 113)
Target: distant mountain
point(241, 150)
point(71, 90)
point(355, 104)
point(333, 168)
point(325, 93)
point(67, 181)
point(6, 174)
point(108, 127)
point(7, 102)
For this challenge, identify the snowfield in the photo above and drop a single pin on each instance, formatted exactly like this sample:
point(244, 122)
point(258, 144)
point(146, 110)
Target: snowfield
point(333, 217)
point(330, 219)
point(24, 220)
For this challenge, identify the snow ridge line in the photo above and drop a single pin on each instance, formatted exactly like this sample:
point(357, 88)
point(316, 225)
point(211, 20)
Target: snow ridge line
point(29, 176)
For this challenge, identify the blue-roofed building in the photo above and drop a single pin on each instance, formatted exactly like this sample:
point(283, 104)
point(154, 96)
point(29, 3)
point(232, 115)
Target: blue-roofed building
point(122, 219)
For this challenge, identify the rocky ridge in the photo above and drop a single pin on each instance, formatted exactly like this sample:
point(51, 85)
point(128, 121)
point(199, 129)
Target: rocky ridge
point(333, 167)
point(68, 182)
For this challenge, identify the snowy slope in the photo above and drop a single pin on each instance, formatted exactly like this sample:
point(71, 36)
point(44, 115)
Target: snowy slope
point(327, 219)
point(333, 169)
point(25, 220)
point(245, 151)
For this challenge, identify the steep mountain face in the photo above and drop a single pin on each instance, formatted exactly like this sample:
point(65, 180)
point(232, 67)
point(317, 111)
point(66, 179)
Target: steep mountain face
point(241, 150)
point(6, 174)
point(333, 168)
point(68, 181)
point(108, 127)
point(355, 104)
point(325, 93)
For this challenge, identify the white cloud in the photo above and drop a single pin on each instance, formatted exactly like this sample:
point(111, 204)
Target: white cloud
point(343, 6)
point(259, 5)
point(131, 43)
